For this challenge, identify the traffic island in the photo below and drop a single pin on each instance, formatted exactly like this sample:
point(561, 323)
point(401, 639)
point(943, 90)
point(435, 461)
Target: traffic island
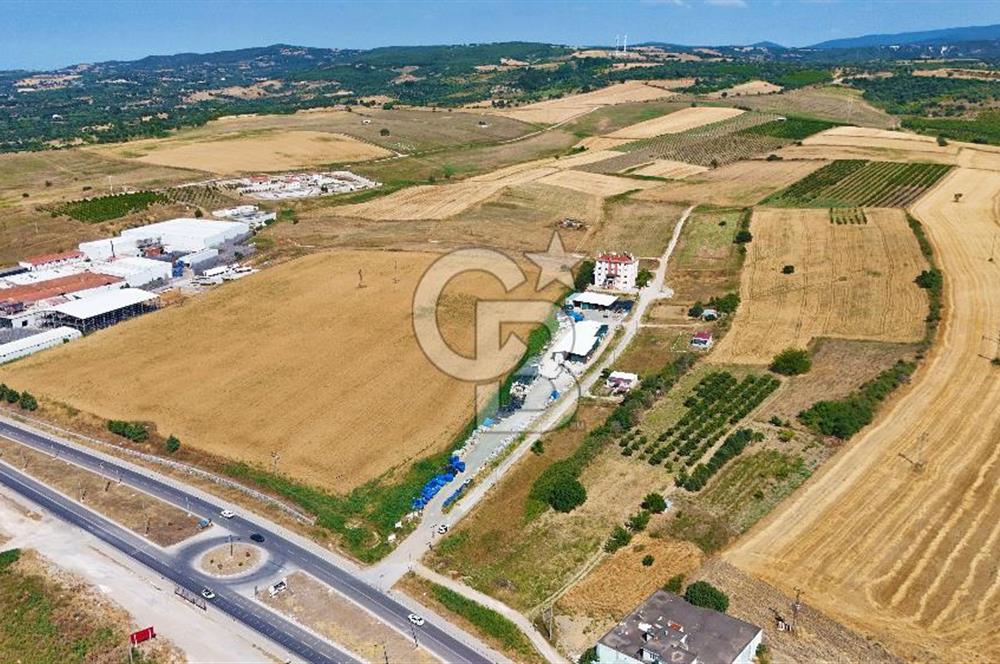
point(234, 559)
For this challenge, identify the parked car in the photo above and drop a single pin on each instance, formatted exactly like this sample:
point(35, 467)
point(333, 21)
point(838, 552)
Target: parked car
point(257, 537)
point(415, 619)
point(208, 593)
point(227, 514)
point(442, 529)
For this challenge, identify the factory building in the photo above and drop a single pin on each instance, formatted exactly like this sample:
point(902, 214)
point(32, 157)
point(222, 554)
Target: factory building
point(188, 235)
point(102, 250)
point(22, 346)
point(136, 271)
point(104, 310)
point(16, 302)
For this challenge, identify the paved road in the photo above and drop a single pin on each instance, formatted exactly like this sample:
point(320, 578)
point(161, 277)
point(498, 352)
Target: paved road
point(291, 637)
point(430, 636)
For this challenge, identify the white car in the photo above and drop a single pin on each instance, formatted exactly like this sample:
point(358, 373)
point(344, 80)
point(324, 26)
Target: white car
point(442, 529)
point(227, 514)
point(208, 593)
point(415, 619)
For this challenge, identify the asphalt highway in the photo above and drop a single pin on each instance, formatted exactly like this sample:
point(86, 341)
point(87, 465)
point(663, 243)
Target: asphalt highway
point(296, 640)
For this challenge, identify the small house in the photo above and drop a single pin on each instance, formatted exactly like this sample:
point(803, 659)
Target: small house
point(620, 382)
point(702, 340)
point(710, 314)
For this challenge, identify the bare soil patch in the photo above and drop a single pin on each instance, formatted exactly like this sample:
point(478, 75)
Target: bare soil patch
point(673, 170)
point(594, 183)
point(565, 108)
point(224, 560)
point(748, 89)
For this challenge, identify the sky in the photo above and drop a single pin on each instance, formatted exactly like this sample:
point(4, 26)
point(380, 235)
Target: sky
point(46, 34)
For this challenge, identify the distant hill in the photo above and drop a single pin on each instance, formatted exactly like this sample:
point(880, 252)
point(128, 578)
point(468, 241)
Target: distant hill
point(943, 36)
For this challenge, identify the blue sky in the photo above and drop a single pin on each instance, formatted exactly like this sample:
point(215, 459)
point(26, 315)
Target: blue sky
point(47, 34)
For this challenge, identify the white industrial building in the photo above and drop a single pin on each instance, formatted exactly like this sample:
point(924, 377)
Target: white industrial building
point(25, 346)
point(135, 270)
point(49, 261)
point(251, 215)
point(614, 271)
point(187, 235)
point(590, 300)
point(580, 342)
point(102, 250)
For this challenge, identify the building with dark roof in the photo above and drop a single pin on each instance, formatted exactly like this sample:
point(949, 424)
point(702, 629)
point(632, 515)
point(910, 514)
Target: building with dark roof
point(666, 629)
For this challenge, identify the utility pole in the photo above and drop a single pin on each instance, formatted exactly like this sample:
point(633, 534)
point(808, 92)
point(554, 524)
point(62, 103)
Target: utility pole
point(796, 607)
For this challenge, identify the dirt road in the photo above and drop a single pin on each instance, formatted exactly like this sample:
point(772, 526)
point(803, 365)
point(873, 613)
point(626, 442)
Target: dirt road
point(909, 556)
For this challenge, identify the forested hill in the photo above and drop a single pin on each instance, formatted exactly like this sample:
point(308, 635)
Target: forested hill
point(946, 36)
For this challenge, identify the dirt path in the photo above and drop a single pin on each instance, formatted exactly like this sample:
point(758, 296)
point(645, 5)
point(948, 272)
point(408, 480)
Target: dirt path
point(910, 556)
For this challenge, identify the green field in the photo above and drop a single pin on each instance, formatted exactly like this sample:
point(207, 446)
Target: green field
point(855, 182)
point(105, 208)
point(791, 128)
point(984, 128)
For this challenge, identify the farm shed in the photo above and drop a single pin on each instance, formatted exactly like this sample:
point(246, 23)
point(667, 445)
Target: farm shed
point(666, 628)
point(104, 310)
point(135, 270)
point(186, 235)
point(25, 346)
point(579, 343)
point(589, 300)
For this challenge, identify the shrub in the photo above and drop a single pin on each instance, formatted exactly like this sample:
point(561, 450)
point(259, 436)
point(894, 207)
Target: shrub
point(538, 447)
point(589, 656)
point(654, 502)
point(844, 417)
point(647, 560)
point(930, 280)
point(172, 444)
point(639, 521)
point(619, 538)
point(791, 362)
point(788, 269)
point(566, 494)
point(134, 431)
point(12, 396)
point(696, 310)
point(643, 278)
point(674, 584)
point(707, 596)
point(27, 401)
point(742, 237)
point(8, 558)
point(383, 132)
point(728, 303)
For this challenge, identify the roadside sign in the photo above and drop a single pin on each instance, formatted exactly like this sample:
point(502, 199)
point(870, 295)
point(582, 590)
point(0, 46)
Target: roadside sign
point(135, 638)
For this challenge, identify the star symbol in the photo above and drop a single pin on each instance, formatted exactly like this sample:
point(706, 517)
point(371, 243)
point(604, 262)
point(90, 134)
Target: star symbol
point(554, 264)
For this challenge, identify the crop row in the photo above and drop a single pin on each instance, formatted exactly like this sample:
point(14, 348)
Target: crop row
point(104, 208)
point(842, 216)
point(853, 182)
point(716, 403)
point(207, 198)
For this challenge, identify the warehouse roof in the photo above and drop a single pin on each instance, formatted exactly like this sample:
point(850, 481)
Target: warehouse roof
point(35, 339)
point(186, 226)
point(104, 303)
point(594, 299)
point(51, 258)
point(43, 290)
point(581, 340)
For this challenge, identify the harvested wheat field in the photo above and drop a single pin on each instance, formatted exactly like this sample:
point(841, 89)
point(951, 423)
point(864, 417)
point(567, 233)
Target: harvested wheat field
point(866, 143)
point(748, 89)
point(850, 281)
point(595, 183)
point(441, 201)
point(554, 111)
point(676, 122)
point(742, 183)
point(296, 359)
point(673, 170)
point(244, 152)
point(911, 556)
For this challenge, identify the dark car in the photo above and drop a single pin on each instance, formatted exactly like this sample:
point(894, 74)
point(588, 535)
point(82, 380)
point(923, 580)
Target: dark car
point(257, 537)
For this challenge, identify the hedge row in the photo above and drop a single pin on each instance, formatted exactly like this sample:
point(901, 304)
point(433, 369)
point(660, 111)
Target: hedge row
point(25, 400)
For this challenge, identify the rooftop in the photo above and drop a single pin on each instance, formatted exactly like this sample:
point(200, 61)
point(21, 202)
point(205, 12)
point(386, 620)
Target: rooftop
point(103, 303)
point(39, 337)
point(50, 258)
point(43, 290)
point(673, 630)
point(595, 299)
point(185, 226)
point(581, 339)
point(612, 257)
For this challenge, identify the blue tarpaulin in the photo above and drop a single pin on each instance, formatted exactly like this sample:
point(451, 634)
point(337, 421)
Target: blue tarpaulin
point(436, 483)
